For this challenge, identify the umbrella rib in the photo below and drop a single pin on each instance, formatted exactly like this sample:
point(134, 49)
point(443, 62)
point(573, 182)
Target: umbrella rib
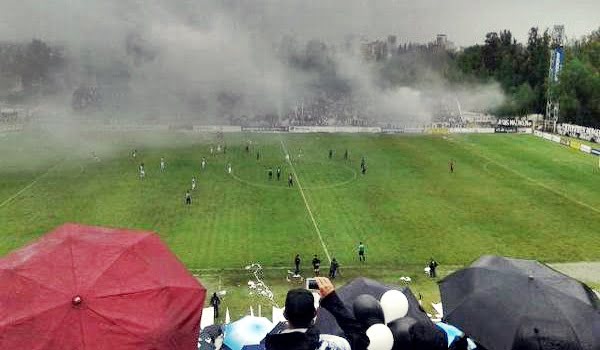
point(140, 291)
point(32, 315)
point(557, 306)
point(115, 324)
point(58, 324)
point(73, 263)
point(115, 260)
point(36, 282)
point(446, 315)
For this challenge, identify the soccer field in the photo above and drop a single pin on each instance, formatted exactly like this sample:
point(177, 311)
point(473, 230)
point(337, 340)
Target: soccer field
point(513, 195)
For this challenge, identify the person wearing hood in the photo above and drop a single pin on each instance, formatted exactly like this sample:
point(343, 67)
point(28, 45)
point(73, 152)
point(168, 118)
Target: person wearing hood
point(300, 333)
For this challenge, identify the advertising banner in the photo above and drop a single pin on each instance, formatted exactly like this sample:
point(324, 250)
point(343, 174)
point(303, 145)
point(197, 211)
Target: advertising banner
point(265, 128)
point(585, 148)
point(438, 131)
point(501, 129)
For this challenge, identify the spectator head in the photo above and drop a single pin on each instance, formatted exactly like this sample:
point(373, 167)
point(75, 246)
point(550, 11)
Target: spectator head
point(300, 308)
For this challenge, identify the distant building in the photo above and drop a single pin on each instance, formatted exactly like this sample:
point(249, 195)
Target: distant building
point(374, 50)
point(392, 45)
point(441, 41)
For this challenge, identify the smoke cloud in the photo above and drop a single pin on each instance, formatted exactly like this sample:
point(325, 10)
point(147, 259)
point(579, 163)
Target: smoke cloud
point(209, 60)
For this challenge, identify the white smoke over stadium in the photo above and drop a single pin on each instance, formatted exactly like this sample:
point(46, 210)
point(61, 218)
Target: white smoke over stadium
point(230, 61)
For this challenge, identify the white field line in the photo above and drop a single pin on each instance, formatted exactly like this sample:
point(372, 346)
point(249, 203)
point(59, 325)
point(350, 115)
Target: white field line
point(10, 199)
point(306, 202)
point(533, 181)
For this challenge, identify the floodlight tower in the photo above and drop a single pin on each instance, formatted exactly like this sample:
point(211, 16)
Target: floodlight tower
point(557, 57)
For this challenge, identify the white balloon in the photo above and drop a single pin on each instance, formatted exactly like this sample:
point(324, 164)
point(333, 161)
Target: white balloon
point(380, 337)
point(394, 305)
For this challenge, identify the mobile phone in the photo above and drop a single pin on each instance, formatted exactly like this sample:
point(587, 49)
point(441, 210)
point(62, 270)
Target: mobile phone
point(311, 283)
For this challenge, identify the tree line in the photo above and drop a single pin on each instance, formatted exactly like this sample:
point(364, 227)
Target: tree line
point(522, 71)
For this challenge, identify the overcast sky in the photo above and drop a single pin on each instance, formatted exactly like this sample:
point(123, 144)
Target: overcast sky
point(464, 21)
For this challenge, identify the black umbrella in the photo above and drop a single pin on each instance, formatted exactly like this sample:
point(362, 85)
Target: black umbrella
point(510, 304)
point(326, 323)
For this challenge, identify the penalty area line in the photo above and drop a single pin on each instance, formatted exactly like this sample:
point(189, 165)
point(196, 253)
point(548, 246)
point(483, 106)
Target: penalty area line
point(312, 217)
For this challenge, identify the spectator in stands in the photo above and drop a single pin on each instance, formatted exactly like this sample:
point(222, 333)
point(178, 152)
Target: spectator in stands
point(300, 334)
point(215, 301)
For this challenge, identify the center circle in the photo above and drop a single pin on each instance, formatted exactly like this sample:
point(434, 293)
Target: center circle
point(312, 175)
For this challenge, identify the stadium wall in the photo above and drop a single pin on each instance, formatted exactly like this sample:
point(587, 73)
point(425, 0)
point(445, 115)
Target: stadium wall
point(574, 144)
point(334, 129)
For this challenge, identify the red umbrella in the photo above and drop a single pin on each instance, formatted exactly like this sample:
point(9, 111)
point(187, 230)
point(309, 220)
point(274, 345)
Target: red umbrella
point(82, 287)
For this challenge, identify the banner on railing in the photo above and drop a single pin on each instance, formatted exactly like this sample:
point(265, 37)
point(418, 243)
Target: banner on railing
point(575, 144)
point(501, 129)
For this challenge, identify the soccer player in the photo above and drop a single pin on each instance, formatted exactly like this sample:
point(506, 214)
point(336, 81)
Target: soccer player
point(193, 183)
point(290, 180)
point(229, 168)
point(203, 163)
point(278, 173)
point(361, 252)
point(346, 155)
point(364, 170)
point(362, 163)
point(330, 153)
point(270, 174)
point(257, 155)
point(142, 171)
point(134, 153)
point(451, 165)
point(188, 198)
point(212, 150)
point(316, 263)
point(162, 164)
point(218, 148)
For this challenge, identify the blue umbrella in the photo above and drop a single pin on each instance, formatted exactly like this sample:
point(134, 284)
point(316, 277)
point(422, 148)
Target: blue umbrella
point(454, 333)
point(249, 330)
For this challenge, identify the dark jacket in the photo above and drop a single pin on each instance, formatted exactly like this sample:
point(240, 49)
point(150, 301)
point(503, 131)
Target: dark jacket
point(215, 301)
point(353, 332)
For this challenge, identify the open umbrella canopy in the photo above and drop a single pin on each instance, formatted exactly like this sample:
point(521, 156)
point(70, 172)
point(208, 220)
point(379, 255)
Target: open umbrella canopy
point(249, 330)
point(507, 304)
point(82, 287)
point(349, 292)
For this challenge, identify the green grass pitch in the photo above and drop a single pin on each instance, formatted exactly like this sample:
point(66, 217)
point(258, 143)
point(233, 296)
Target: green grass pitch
point(513, 195)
